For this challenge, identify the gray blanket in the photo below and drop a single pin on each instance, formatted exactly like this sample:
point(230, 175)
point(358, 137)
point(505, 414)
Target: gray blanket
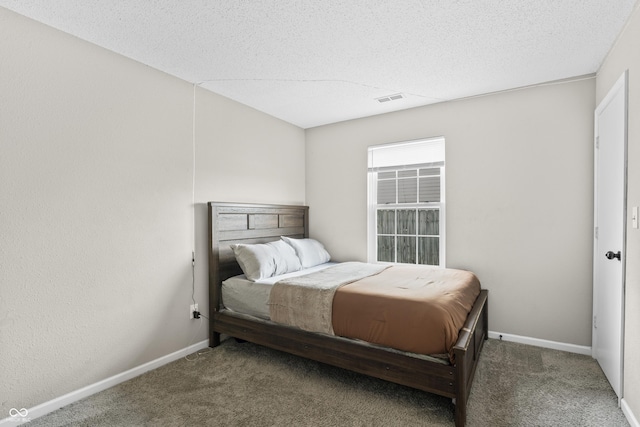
point(306, 301)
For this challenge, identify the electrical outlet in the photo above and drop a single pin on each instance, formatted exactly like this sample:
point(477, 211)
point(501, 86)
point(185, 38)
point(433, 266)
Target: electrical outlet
point(192, 308)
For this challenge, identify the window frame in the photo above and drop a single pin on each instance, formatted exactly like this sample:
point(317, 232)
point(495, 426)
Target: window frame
point(372, 208)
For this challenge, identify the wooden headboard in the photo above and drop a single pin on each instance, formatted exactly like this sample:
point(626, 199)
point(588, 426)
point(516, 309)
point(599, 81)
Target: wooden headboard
point(231, 223)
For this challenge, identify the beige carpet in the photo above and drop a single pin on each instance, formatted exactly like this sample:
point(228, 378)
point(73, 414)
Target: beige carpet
point(247, 385)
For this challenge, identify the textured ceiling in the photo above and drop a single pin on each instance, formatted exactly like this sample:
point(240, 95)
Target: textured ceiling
point(313, 62)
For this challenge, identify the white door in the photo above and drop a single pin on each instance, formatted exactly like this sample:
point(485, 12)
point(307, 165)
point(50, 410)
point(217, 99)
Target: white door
point(609, 236)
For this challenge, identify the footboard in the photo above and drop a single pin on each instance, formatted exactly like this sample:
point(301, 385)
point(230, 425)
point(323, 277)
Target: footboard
point(467, 352)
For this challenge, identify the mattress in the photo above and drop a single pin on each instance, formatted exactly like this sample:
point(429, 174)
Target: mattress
point(241, 295)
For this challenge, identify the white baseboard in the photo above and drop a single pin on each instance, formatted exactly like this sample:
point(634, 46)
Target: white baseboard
point(633, 421)
point(571, 348)
point(19, 416)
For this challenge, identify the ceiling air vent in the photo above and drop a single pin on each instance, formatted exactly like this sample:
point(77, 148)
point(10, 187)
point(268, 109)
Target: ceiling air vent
point(390, 98)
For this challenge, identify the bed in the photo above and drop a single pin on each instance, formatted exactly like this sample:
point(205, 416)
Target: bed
point(236, 223)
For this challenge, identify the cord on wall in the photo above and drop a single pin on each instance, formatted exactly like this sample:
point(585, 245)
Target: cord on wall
point(193, 276)
point(193, 173)
point(196, 314)
point(193, 198)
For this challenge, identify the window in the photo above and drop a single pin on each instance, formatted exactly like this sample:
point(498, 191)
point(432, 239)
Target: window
point(406, 202)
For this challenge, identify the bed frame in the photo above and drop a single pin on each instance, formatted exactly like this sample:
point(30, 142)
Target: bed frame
point(231, 223)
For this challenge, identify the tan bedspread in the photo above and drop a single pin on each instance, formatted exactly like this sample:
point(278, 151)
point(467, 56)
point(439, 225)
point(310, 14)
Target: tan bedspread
point(418, 309)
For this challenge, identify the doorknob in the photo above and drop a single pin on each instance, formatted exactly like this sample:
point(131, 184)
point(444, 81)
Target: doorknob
point(611, 255)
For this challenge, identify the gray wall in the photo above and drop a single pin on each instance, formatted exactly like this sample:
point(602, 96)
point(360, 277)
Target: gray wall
point(96, 206)
point(97, 220)
point(519, 184)
point(626, 56)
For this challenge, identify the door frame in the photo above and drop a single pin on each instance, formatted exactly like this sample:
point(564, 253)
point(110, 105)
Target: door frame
point(622, 84)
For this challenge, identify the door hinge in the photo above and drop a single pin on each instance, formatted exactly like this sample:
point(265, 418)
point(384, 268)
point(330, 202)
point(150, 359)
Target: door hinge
point(595, 323)
point(596, 232)
point(597, 141)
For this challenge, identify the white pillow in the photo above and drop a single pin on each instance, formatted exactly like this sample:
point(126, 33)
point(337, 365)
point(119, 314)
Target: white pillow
point(263, 260)
point(287, 260)
point(310, 251)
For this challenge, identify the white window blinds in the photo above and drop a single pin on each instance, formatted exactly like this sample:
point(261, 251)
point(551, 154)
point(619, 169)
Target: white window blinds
point(412, 153)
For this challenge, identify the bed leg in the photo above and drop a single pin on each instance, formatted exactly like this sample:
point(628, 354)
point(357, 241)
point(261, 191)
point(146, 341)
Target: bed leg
point(215, 339)
point(461, 414)
point(461, 386)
